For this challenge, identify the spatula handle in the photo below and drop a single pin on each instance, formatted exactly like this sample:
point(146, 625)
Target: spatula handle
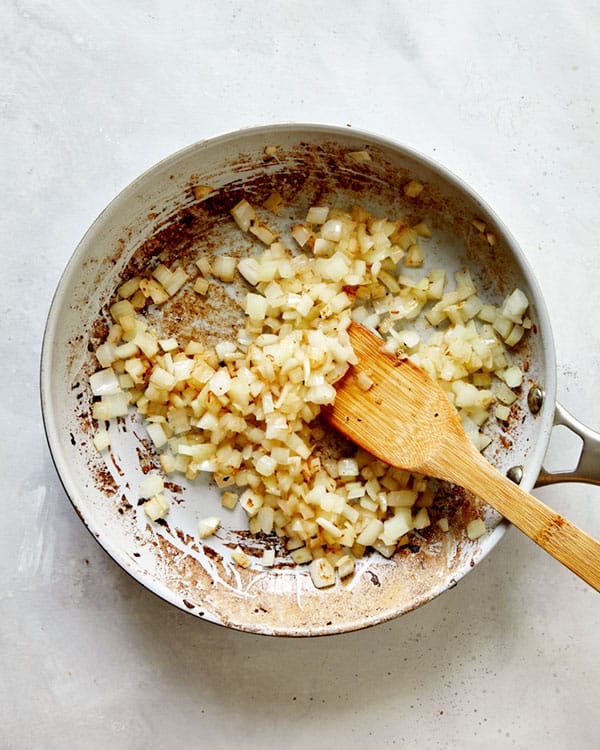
point(571, 546)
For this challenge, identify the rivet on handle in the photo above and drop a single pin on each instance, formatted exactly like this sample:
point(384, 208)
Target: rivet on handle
point(535, 399)
point(515, 474)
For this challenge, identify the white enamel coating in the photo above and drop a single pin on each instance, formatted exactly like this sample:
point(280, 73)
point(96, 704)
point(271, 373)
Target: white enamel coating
point(170, 561)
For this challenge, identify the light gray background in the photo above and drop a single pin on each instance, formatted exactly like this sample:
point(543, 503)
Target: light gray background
point(92, 93)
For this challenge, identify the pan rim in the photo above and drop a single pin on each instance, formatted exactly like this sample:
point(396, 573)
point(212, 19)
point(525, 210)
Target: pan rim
point(48, 414)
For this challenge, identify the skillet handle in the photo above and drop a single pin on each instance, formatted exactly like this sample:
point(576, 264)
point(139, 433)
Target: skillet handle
point(588, 466)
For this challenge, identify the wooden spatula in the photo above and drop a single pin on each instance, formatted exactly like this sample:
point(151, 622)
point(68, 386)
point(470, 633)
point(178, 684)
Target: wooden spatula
point(406, 420)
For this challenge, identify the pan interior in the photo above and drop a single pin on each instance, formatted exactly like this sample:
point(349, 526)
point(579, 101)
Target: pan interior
point(161, 214)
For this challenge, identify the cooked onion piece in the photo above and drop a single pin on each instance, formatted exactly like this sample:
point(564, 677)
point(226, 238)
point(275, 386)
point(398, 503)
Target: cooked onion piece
point(244, 410)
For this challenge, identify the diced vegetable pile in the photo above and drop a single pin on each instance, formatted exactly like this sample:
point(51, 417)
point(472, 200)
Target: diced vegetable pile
point(245, 409)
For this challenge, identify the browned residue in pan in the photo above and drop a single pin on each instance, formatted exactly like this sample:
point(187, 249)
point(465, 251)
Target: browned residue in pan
point(262, 601)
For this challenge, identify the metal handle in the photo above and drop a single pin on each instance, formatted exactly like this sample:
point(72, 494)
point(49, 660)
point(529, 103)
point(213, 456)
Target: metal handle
point(588, 466)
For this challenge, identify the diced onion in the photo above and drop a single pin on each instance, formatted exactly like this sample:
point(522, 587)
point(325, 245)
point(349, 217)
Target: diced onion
point(263, 233)
point(513, 377)
point(256, 306)
point(268, 558)
point(106, 354)
point(476, 528)
point(243, 215)
point(245, 408)
point(332, 230)
point(240, 558)
point(153, 484)
point(502, 412)
point(208, 526)
point(104, 382)
point(301, 234)
point(274, 202)
point(360, 156)
point(101, 440)
point(201, 191)
point(157, 507)
point(413, 189)
point(157, 434)
point(515, 335)
point(515, 306)
point(111, 406)
point(317, 214)
point(224, 267)
point(201, 285)
point(421, 520)
point(322, 573)
point(345, 566)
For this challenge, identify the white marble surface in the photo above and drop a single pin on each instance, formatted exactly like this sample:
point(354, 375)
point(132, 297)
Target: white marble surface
point(92, 93)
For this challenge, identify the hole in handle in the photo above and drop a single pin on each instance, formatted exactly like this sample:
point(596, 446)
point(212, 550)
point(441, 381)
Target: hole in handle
point(564, 450)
